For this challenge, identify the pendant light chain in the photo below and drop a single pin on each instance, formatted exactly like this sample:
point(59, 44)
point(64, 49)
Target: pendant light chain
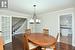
point(34, 15)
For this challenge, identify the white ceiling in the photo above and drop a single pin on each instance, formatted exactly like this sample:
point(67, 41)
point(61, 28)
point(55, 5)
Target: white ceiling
point(43, 6)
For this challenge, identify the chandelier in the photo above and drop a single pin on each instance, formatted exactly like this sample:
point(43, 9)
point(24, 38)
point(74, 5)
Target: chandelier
point(34, 19)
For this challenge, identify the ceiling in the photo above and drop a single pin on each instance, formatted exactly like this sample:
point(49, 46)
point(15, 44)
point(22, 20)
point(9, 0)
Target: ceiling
point(42, 6)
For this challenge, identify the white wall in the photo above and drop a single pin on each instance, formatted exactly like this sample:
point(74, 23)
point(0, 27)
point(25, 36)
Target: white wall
point(0, 23)
point(12, 13)
point(51, 20)
point(6, 12)
point(0, 26)
point(73, 37)
point(9, 13)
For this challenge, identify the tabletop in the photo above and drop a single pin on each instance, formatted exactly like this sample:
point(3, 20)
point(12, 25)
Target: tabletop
point(41, 39)
point(1, 43)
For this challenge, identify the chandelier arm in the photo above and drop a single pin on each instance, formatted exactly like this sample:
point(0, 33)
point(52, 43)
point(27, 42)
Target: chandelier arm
point(34, 18)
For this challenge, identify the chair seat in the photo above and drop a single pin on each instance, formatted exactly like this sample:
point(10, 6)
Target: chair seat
point(47, 48)
point(52, 46)
point(32, 46)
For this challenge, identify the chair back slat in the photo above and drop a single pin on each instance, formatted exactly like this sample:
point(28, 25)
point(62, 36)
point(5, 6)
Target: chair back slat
point(28, 31)
point(46, 31)
point(57, 37)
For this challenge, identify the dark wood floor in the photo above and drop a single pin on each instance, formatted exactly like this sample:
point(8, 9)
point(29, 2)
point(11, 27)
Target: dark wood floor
point(63, 46)
point(60, 46)
point(9, 47)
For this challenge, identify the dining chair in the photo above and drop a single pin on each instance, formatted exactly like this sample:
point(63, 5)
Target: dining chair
point(53, 46)
point(46, 31)
point(20, 42)
point(28, 31)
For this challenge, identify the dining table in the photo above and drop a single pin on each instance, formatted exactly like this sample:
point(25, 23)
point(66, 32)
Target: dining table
point(1, 43)
point(41, 39)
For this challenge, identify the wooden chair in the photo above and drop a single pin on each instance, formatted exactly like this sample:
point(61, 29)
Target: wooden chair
point(20, 42)
point(53, 46)
point(28, 31)
point(46, 31)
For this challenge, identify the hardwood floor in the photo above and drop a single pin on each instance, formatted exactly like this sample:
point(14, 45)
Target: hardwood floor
point(8, 46)
point(60, 46)
point(63, 46)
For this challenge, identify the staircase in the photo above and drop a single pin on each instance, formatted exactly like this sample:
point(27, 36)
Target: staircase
point(18, 24)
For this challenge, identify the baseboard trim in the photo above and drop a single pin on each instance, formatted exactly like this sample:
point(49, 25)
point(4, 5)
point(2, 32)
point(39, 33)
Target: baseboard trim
point(7, 41)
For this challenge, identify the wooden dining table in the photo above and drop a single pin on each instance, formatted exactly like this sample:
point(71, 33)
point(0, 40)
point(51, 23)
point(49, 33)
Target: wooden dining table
point(41, 39)
point(1, 43)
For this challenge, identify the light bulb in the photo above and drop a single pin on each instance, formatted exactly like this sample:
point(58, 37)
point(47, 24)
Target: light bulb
point(37, 21)
point(31, 21)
